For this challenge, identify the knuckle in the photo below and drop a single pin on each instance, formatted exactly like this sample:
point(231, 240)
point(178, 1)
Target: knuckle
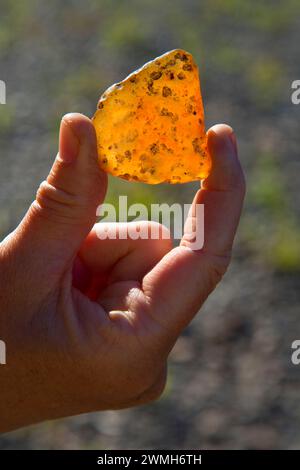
point(218, 266)
point(60, 203)
point(48, 194)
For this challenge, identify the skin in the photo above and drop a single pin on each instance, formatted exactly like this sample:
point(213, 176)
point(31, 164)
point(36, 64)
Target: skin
point(89, 323)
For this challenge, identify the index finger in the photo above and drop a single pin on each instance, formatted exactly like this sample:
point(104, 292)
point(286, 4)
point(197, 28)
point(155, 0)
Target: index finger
point(179, 284)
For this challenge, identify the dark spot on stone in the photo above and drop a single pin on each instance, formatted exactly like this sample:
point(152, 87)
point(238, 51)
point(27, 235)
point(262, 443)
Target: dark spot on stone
point(196, 145)
point(181, 76)
point(133, 79)
point(166, 149)
point(118, 101)
point(104, 160)
point(150, 87)
point(166, 91)
point(119, 158)
point(118, 86)
point(187, 67)
point(110, 147)
point(100, 105)
point(170, 63)
point(154, 148)
point(181, 56)
point(194, 113)
point(166, 112)
point(127, 154)
point(170, 75)
point(126, 176)
point(156, 75)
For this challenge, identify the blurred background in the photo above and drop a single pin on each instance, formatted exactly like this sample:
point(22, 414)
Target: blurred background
point(231, 381)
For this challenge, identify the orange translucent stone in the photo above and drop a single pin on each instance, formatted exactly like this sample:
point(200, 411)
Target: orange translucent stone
point(150, 126)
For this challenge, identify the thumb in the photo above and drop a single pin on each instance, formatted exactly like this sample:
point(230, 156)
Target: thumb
point(64, 210)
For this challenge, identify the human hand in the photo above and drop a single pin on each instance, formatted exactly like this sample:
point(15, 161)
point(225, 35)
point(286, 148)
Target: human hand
point(89, 323)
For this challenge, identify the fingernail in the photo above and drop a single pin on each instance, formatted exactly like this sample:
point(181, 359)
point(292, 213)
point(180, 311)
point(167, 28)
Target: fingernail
point(68, 142)
point(221, 138)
